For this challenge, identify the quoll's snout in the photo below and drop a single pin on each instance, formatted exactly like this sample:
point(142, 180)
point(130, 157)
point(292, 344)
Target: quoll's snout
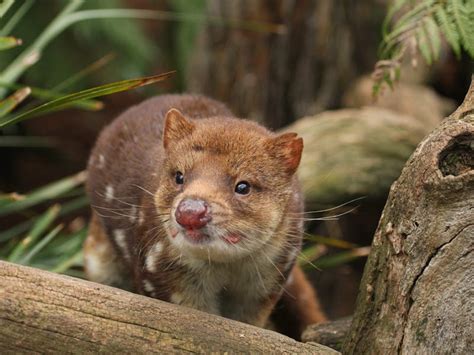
point(193, 213)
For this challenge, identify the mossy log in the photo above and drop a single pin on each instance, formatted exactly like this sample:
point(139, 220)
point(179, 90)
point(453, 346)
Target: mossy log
point(416, 293)
point(332, 334)
point(354, 152)
point(416, 100)
point(49, 313)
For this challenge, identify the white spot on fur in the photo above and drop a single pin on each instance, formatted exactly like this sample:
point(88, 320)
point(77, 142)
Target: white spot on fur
point(94, 262)
point(141, 217)
point(121, 240)
point(133, 214)
point(148, 286)
point(290, 279)
point(153, 255)
point(100, 264)
point(176, 298)
point(101, 163)
point(109, 193)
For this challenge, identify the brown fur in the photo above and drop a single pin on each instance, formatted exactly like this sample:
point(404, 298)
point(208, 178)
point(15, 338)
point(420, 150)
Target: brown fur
point(134, 196)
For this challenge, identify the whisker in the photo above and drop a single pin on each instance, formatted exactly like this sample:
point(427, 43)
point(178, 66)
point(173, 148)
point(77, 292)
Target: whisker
point(143, 189)
point(332, 208)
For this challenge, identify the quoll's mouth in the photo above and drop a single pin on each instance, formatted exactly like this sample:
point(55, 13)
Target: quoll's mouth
point(196, 236)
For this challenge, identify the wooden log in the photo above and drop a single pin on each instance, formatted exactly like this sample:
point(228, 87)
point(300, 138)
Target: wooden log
point(49, 313)
point(416, 100)
point(416, 293)
point(332, 334)
point(354, 152)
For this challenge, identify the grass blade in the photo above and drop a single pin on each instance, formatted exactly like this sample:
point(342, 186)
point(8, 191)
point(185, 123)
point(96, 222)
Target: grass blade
point(22, 227)
point(13, 100)
point(44, 193)
point(9, 42)
point(86, 94)
point(68, 263)
point(24, 60)
point(26, 142)
point(329, 261)
point(91, 105)
point(84, 72)
point(4, 6)
point(17, 16)
point(40, 245)
point(332, 242)
point(38, 228)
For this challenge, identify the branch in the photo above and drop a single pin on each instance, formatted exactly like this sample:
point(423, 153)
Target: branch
point(46, 312)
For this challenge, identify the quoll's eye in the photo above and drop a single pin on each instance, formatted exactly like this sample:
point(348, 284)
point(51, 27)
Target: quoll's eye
point(242, 188)
point(179, 178)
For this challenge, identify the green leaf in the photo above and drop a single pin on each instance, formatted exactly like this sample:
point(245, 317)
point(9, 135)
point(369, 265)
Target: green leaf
point(392, 10)
point(423, 45)
point(22, 227)
point(463, 18)
point(84, 95)
point(38, 228)
point(16, 18)
point(26, 141)
point(101, 62)
point(329, 261)
point(449, 30)
point(9, 42)
point(40, 245)
point(333, 242)
point(4, 6)
point(91, 105)
point(7, 105)
point(434, 36)
point(44, 193)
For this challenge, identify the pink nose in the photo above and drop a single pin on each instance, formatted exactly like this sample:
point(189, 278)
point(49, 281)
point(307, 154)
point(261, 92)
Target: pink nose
point(192, 214)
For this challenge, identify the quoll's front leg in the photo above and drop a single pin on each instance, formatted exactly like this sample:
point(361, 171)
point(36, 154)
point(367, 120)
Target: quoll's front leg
point(298, 306)
point(101, 261)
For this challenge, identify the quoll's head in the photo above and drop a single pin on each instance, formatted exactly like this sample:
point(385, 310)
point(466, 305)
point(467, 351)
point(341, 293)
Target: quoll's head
point(224, 185)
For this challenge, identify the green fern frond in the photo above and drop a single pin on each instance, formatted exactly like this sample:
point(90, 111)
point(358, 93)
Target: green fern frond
point(420, 26)
point(423, 43)
point(448, 27)
point(392, 10)
point(433, 33)
point(464, 24)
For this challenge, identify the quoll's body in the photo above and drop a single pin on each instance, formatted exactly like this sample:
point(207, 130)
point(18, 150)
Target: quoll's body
point(196, 207)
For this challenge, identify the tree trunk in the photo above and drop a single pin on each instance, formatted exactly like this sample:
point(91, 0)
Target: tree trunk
point(49, 313)
point(277, 78)
point(416, 294)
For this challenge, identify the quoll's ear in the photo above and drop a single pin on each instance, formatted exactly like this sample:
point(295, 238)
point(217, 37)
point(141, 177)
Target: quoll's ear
point(176, 127)
point(287, 148)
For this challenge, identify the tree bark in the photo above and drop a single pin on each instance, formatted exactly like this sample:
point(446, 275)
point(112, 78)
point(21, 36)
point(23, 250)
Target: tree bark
point(49, 313)
point(277, 78)
point(416, 294)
